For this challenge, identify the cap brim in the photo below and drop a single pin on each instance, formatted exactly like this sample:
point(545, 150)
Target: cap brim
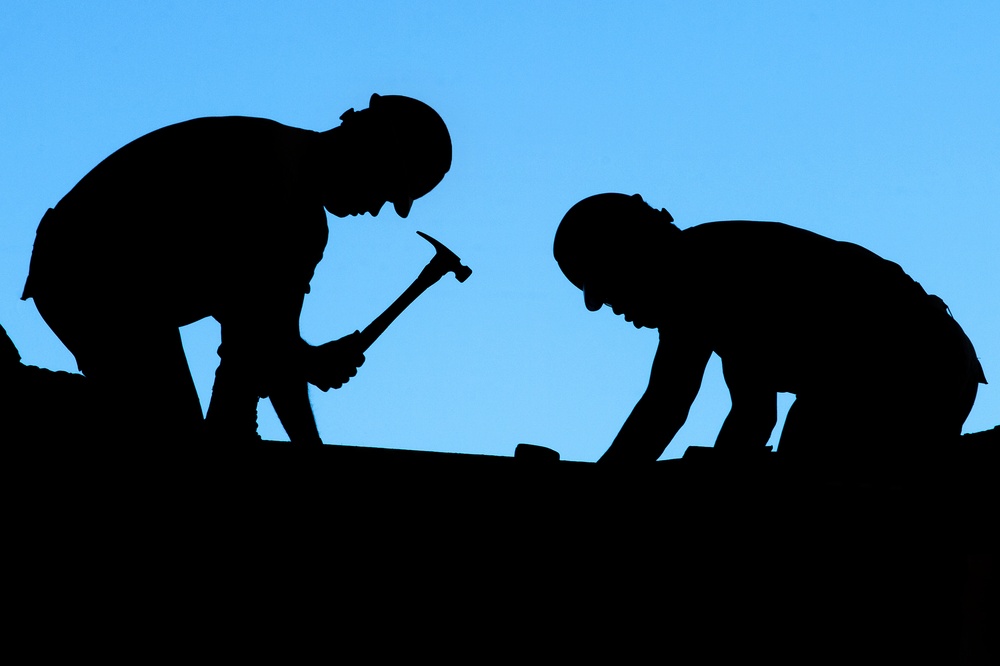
point(403, 206)
point(592, 302)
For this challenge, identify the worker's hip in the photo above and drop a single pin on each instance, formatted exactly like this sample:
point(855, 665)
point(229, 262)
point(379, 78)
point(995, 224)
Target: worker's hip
point(920, 367)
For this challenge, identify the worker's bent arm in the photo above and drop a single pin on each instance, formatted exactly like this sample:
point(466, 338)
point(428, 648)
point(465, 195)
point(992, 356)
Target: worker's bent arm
point(262, 356)
point(284, 354)
point(753, 414)
point(674, 382)
point(290, 400)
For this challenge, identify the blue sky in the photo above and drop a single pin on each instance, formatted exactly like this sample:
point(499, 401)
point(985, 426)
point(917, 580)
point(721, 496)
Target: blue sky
point(873, 122)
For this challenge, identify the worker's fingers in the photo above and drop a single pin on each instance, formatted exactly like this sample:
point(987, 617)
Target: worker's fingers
point(337, 378)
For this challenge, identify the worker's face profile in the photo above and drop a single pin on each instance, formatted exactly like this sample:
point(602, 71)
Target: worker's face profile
point(623, 298)
point(401, 196)
point(365, 193)
point(355, 205)
point(360, 203)
point(387, 185)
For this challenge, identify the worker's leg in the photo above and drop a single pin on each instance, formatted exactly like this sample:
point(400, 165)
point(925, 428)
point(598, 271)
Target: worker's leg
point(152, 367)
point(232, 411)
point(896, 415)
point(818, 428)
point(963, 376)
point(936, 378)
point(137, 367)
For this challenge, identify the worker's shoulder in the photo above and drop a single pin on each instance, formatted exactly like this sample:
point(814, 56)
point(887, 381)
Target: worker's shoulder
point(212, 129)
point(750, 237)
point(191, 148)
point(748, 230)
point(247, 123)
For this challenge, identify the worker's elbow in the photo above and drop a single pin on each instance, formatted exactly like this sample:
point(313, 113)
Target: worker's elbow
point(759, 424)
point(765, 419)
point(746, 428)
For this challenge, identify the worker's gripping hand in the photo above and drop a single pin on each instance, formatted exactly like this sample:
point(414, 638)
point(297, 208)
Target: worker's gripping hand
point(333, 364)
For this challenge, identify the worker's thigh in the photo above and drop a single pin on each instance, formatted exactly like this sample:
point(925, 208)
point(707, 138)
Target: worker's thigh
point(136, 364)
point(905, 416)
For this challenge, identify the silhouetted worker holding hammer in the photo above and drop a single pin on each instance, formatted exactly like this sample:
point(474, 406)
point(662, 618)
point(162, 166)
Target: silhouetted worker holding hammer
point(873, 360)
point(220, 217)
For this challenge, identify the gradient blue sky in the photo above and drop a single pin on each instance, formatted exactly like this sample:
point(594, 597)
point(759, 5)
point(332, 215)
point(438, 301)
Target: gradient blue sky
point(874, 122)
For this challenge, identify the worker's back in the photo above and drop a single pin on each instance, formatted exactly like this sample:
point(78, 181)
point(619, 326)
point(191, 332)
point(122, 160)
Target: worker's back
point(188, 215)
point(795, 304)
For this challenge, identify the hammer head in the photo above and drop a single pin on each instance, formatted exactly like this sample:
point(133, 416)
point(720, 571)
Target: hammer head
point(448, 259)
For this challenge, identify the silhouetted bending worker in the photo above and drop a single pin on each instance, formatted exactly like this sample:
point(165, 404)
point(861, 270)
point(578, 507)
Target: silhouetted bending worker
point(872, 359)
point(220, 217)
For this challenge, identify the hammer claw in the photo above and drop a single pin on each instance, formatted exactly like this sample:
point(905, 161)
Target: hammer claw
point(444, 261)
point(447, 258)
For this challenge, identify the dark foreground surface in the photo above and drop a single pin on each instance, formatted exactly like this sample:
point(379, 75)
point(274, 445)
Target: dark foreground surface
point(273, 549)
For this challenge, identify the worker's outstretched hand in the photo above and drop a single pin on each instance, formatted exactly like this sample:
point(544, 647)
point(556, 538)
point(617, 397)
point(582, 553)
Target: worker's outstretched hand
point(333, 364)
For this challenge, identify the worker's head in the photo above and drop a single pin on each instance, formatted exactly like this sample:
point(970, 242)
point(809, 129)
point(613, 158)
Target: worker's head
point(399, 150)
point(611, 247)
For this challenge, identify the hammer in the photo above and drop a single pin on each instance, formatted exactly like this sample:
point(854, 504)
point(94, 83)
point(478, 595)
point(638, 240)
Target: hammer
point(444, 261)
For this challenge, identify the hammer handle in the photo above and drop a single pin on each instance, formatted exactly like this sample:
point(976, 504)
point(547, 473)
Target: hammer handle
point(427, 277)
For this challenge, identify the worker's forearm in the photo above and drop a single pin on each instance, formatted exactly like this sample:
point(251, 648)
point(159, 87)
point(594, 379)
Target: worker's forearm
point(644, 435)
point(746, 430)
point(291, 404)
